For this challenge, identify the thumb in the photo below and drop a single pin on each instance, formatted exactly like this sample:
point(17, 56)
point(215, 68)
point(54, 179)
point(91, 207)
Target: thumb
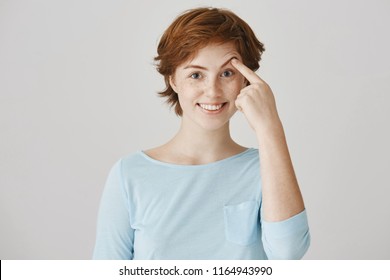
point(238, 105)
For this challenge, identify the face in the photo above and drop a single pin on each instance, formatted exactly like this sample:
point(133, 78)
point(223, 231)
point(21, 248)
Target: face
point(207, 86)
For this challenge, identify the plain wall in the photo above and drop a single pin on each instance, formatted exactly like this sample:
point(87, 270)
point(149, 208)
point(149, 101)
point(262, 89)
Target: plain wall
point(78, 91)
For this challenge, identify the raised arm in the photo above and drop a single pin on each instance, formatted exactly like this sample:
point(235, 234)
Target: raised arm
point(282, 198)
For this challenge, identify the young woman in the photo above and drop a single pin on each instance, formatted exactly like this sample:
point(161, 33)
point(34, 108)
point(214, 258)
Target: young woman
point(202, 195)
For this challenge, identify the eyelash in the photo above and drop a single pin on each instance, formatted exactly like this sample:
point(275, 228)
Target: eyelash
point(191, 76)
point(231, 73)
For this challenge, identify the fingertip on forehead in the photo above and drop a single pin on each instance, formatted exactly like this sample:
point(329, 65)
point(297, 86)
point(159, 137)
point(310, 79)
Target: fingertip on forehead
point(234, 60)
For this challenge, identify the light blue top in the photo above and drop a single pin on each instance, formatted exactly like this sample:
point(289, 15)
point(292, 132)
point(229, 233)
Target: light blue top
point(156, 210)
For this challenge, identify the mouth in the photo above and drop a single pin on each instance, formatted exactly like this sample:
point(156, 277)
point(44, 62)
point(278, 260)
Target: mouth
point(212, 108)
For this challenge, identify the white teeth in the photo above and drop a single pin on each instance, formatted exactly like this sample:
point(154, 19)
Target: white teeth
point(211, 107)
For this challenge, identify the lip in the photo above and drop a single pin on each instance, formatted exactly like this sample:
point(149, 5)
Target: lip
point(208, 112)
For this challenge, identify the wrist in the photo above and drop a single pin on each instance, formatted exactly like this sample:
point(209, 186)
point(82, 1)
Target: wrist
point(271, 128)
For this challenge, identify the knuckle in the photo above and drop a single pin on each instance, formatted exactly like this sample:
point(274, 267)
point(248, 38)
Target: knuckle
point(257, 86)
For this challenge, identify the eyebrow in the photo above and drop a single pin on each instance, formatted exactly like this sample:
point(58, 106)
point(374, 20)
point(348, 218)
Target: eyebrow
point(204, 68)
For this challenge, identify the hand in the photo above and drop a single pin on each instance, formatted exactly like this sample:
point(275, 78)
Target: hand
point(256, 100)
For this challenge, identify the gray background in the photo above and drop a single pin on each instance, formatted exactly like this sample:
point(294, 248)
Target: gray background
point(78, 91)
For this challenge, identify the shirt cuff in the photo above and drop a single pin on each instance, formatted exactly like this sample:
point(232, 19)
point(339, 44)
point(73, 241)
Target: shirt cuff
point(286, 227)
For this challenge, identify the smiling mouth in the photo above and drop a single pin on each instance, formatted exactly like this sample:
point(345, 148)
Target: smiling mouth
point(211, 107)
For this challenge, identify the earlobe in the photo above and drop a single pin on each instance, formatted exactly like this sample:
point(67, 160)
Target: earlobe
point(172, 83)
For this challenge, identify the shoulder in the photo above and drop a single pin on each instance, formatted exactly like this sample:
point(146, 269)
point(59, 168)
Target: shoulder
point(248, 158)
point(129, 162)
point(247, 161)
point(251, 154)
point(133, 159)
point(133, 166)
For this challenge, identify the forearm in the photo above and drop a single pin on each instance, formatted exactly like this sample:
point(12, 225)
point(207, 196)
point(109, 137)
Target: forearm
point(281, 195)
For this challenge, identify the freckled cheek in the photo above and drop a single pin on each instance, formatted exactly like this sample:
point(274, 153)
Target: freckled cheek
point(189, 92)
point(232, 89)
point(195, 90)
point(189, 87)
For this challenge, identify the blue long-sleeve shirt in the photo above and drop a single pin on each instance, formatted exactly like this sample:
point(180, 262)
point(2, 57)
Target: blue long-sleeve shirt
point(156, 210)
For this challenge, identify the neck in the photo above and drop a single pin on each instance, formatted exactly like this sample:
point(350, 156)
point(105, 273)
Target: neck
point(197, 145)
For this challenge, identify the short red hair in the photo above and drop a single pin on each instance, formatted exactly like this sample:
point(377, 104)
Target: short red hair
point(193, 30)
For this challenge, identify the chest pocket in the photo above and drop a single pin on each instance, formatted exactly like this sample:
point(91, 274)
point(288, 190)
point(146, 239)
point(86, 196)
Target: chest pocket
point(242, 225)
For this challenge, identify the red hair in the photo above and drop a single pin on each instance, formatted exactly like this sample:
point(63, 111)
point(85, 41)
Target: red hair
point(193, 30)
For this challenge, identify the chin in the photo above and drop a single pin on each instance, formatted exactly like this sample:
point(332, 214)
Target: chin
point(211, 126)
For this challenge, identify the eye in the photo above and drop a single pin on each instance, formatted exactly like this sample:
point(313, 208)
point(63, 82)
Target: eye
point(227, 73)
point(195, 76)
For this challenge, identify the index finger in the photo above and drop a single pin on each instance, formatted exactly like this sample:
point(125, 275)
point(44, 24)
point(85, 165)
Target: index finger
point(245, 71)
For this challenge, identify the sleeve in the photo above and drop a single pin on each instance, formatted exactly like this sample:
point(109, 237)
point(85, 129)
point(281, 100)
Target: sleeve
point(114, 237)
point(288, 239)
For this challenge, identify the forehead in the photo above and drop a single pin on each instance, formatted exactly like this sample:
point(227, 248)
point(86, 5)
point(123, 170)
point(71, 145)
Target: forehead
point(213, 54)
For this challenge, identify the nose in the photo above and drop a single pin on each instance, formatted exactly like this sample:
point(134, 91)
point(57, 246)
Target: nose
point(213, 89)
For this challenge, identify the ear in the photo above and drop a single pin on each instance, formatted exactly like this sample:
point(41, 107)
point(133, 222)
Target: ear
point(172, 83)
